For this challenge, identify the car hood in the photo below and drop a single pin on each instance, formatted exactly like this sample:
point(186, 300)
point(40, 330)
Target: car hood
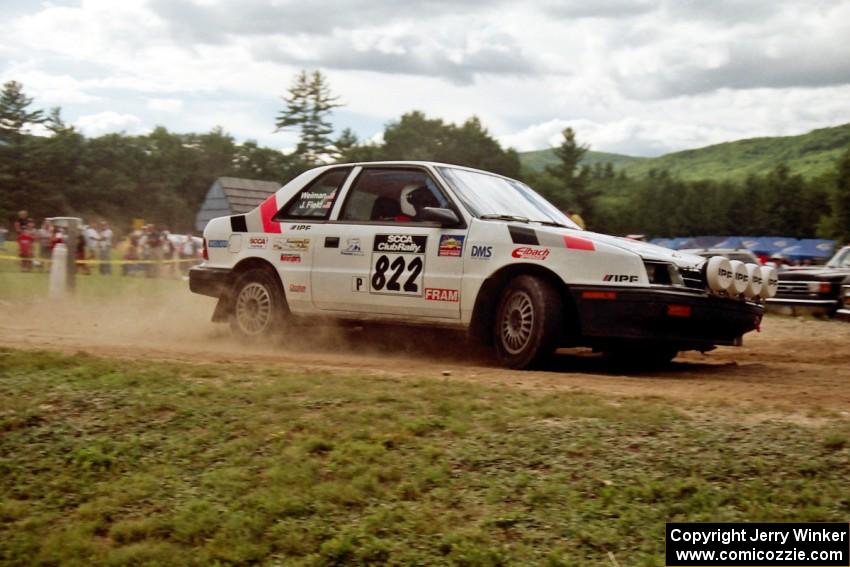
point(645, 250)
point(819, 273)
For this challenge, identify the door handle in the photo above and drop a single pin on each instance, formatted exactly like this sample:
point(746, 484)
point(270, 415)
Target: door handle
point(332, 242)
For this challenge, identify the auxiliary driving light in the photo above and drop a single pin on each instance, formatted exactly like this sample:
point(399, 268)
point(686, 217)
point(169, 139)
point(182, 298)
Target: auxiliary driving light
point(719, 274)
point(771, 281)
point(740, 278)
point(754, 289)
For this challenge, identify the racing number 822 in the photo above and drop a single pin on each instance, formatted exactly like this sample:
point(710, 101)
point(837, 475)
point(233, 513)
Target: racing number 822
point(398, 266)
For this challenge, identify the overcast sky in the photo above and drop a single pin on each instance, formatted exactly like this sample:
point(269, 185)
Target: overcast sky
point(630, 76)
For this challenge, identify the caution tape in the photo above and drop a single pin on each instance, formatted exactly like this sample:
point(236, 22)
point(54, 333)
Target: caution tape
point(111, 262)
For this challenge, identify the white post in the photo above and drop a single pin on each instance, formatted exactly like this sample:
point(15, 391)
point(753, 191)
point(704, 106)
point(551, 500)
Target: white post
point(58, 269)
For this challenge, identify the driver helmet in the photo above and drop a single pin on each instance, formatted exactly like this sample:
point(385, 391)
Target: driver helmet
point(414, 198)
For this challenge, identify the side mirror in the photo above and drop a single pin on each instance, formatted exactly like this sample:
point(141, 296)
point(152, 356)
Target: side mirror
point(445, 217)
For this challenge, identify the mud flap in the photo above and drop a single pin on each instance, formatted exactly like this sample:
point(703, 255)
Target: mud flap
point(222, 311)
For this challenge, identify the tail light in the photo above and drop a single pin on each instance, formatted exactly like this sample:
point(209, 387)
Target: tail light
point(206, 252)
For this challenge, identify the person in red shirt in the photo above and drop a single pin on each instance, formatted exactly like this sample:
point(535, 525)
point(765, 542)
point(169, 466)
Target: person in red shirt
point(26, 240)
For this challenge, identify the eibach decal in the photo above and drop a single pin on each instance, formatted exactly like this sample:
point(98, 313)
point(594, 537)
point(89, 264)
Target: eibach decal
point(526, 253)
point(290, 258)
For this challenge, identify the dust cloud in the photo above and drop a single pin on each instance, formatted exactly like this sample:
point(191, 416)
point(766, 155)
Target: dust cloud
point(794, 366)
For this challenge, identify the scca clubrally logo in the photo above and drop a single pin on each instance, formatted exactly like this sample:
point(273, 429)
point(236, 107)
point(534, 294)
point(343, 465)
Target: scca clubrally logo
point(400, 243)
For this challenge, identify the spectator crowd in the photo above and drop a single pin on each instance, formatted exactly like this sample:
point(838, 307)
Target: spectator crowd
point(151, 251)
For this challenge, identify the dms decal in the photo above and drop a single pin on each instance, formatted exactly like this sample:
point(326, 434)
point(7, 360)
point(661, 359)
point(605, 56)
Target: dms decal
point(216, 243)
point(352, 247)
point(619, 278)
point(297, 288)
point(527, 253)
point(400, 243)
point(480, 252)
point(258, 241)
point(439, 294)
point(296, 244)
point(290, 258)
point(451, 245)
point(300, 227)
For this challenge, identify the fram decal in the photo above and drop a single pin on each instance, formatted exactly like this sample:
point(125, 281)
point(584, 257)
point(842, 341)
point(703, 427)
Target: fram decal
point(258, 241)
point(352, 247)
point(290, 258)
point(216, 244)
point(296, 244)
point(481, 252)
point(451, 245)
point(400, 243)
point(619, 278)
point(297, 288)
point(300, 227)
point(440, 294)
point(527, 253)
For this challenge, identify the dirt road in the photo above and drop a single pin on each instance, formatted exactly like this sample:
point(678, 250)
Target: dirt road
point(793, 369)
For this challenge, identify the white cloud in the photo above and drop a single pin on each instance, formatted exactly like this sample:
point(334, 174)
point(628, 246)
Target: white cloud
point(165, 104)
point(632, 76)
point(108, 122)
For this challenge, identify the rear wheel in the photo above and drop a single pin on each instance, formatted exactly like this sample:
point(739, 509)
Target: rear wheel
point(528, 322)
point(258, 304)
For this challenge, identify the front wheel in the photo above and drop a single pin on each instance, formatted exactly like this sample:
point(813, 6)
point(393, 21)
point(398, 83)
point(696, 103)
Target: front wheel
point(528, 322)
point(258, 304)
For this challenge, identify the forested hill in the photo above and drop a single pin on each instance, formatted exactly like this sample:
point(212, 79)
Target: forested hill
point(809, 155)
point(538, 159)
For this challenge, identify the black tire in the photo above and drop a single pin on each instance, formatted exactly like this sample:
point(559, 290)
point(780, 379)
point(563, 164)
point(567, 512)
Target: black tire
point(528, 322)
point(258, 306)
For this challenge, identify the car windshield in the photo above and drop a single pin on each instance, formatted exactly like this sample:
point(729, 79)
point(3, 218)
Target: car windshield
point(491, 196)
point(841, 259)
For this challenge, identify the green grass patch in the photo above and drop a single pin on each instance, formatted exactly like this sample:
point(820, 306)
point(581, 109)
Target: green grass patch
point(114, 462)
point(19, 286)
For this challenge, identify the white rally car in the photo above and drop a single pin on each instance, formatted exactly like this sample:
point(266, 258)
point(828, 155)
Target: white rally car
point(423, 243)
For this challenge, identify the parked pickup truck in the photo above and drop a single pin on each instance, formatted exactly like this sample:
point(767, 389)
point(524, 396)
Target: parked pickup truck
point(816, 290)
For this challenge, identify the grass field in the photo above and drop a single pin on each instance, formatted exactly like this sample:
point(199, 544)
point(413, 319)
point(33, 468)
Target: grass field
point(131, 463)
point(24, 286)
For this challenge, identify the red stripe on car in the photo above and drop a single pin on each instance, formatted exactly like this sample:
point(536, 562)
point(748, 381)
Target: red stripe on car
point(578, 243)
point(268, 208)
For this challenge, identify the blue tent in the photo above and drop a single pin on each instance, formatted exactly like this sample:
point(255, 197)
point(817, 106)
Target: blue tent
point(810, 248)
point(731, 242)
point(769, 245)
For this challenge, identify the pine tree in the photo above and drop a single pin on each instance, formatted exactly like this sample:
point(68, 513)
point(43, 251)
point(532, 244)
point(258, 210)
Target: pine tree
point(308, 106)
point(574, 176)
point(840, 217)
point(14, 116)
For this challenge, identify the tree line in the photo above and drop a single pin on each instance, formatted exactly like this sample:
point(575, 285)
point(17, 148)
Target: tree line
point(163, 176)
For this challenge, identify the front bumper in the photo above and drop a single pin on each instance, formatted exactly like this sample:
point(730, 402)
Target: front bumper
point(843, 314)
point(683, 319)
point(213, 282)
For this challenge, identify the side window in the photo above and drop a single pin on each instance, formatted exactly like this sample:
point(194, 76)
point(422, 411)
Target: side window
point(315, 201)
point(391, 195)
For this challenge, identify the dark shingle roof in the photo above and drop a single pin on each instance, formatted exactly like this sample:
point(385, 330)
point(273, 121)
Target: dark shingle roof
point(245, 194)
